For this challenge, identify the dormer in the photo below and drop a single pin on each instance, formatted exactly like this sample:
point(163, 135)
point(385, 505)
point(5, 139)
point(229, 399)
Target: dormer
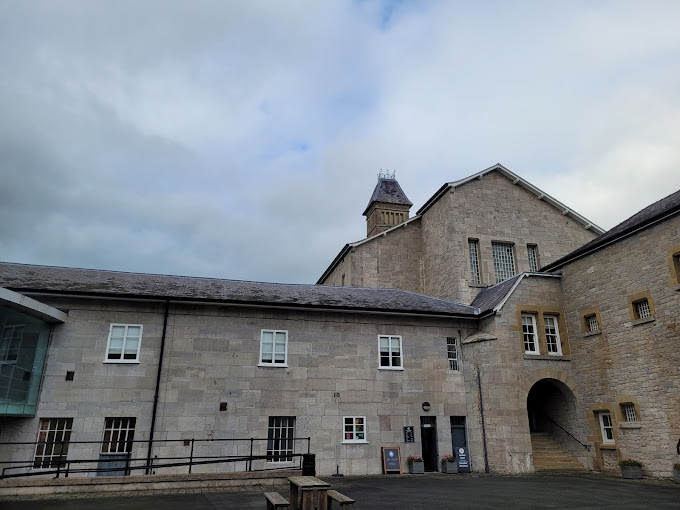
point(388, 206)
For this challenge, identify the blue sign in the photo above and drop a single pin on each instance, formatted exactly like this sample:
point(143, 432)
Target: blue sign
point(463, 460)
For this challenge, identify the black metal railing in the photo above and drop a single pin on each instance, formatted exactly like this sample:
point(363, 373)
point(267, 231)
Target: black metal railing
point(587, 447)
point(126, 463)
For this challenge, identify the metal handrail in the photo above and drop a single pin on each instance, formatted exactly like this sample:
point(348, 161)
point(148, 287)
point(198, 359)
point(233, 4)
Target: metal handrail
point(587, 447)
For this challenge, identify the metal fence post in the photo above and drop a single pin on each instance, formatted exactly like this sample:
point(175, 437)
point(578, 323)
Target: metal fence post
point(250, 459)
point(191, 455)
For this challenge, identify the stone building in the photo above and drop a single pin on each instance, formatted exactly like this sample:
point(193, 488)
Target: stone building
point(495, 318)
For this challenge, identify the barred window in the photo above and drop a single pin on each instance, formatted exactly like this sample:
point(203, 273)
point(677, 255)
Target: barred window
point(642, 310)
point(529, 333)
point(592, 323)
point(629, 411)
point(280, 438)
point(503, 261)
point(119, 433)
point(473, 247)
point(532, 253)
point(53, 438)
point(452, 348)
point(552, 335)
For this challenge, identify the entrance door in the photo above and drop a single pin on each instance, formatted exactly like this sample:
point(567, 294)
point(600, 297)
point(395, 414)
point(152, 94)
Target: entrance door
point(428, 436)
point(458, 439)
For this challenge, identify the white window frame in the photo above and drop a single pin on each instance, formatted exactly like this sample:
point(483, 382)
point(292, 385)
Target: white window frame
point(354, 429)
point(604, 417)
point(473, 249)
point(526, 333)
point(552, 337)
point(629, 413)
point(118, 436)
point(590, 321)
point(453, 353)
point(532, 255)
point(642, 309)
point(125, 340)
point(273, 362)
point(503, 261)
point(391, 353)
point(59, 436)
point(281, 438)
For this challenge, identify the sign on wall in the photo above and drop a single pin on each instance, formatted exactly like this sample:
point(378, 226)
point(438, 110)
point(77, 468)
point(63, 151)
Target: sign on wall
point(391, 460)
point(408, 435)
point(463, 459)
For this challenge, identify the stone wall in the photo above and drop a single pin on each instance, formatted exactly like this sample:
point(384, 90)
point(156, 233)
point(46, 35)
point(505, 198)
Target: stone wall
point(629, 360)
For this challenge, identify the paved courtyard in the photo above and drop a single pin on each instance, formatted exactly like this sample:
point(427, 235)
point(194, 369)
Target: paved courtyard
point(414, 493)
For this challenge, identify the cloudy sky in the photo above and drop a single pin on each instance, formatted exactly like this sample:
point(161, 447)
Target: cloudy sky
point(241, 139)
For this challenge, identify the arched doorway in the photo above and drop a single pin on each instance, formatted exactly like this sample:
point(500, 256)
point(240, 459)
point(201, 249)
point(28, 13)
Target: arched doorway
point(554, 426)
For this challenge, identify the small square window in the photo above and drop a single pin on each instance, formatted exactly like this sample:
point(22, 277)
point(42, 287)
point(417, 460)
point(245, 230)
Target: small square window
point(124, 343)
point(390, 352)
point(274, 348)
point(642, 309)
point(606, 427)
point(452, 350)
point(591, 322)
point(529, 333)
point(629, 413)
point(354, 430)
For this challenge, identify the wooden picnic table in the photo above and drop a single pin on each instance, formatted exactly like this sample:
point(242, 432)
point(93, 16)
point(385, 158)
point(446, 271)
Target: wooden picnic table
point(308, 485)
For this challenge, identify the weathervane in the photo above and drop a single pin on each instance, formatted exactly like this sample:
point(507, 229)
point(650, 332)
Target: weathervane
point(386, 174)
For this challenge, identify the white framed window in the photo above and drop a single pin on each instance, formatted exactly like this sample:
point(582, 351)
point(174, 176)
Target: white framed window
point(280, 438)
point(473, 248)
point(354, 429)
point(642, 309)
point(629, 411)
point(529, 333)
point(119, 433)
point(124, 343)
point(532, 254)
point(274, 348)
point(10, 343)
point(552, 335)
point(390, 352)
point(503, 261)
point(54, 435)
point(591, 321)
point(606, 427)
point(452, 351)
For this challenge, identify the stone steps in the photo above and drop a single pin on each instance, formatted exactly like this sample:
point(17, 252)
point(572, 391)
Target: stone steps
point(550, 455)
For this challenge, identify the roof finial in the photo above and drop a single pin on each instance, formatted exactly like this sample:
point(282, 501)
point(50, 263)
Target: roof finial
point(386, 174)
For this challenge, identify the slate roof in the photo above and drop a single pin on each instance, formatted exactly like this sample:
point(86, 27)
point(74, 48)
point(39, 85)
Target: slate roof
point(489, 297)
point(63, 280)
point(663, 208)
point(388, 191)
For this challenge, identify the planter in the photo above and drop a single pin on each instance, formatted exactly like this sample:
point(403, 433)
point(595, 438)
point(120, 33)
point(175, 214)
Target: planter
point(416, 468)
point(676, 475)
point(631, 472)
point(449, 467)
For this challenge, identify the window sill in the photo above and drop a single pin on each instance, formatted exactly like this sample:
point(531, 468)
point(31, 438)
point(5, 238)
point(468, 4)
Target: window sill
point(607, 446)
point(355, 442)
point(121, 361)
point(477, 285)
point(638, 322)
point(401, 369)
point(598, 331)
point(545, 357)
point(630, 425)
point(272, 365)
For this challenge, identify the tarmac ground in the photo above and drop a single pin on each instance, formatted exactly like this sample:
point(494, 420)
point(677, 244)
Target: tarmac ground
point(426, 492)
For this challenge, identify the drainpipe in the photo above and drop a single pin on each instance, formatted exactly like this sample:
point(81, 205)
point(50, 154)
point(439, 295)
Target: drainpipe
point(158, 387)
point(481, 411)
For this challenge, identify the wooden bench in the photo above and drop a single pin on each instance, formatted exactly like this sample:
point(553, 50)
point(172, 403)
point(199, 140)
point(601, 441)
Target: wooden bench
point(276, 500)
point(345, 502)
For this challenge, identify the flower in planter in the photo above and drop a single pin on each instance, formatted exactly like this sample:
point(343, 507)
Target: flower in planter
point(448, 458)
point(415, 458)
point(630, 462)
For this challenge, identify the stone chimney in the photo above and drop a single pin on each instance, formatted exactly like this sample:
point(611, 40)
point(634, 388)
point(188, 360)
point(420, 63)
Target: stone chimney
point(388, 206)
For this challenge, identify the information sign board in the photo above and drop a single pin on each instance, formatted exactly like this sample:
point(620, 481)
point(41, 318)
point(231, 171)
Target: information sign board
point(391, 460)
point(463, 459)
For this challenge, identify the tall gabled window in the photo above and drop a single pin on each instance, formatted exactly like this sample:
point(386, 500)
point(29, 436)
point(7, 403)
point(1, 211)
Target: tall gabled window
point(473, 248)
point(606, 427)
point(503, 261)
point(53, 439)
point(529, 333)
point(280, 438)
point(390, 351)
point(452, 349)
point(274, 348)
point(552, 335)
point(532, 254)
point(124, 343)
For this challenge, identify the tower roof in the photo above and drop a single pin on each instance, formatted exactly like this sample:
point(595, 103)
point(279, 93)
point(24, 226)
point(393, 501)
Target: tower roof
point(388, 191)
